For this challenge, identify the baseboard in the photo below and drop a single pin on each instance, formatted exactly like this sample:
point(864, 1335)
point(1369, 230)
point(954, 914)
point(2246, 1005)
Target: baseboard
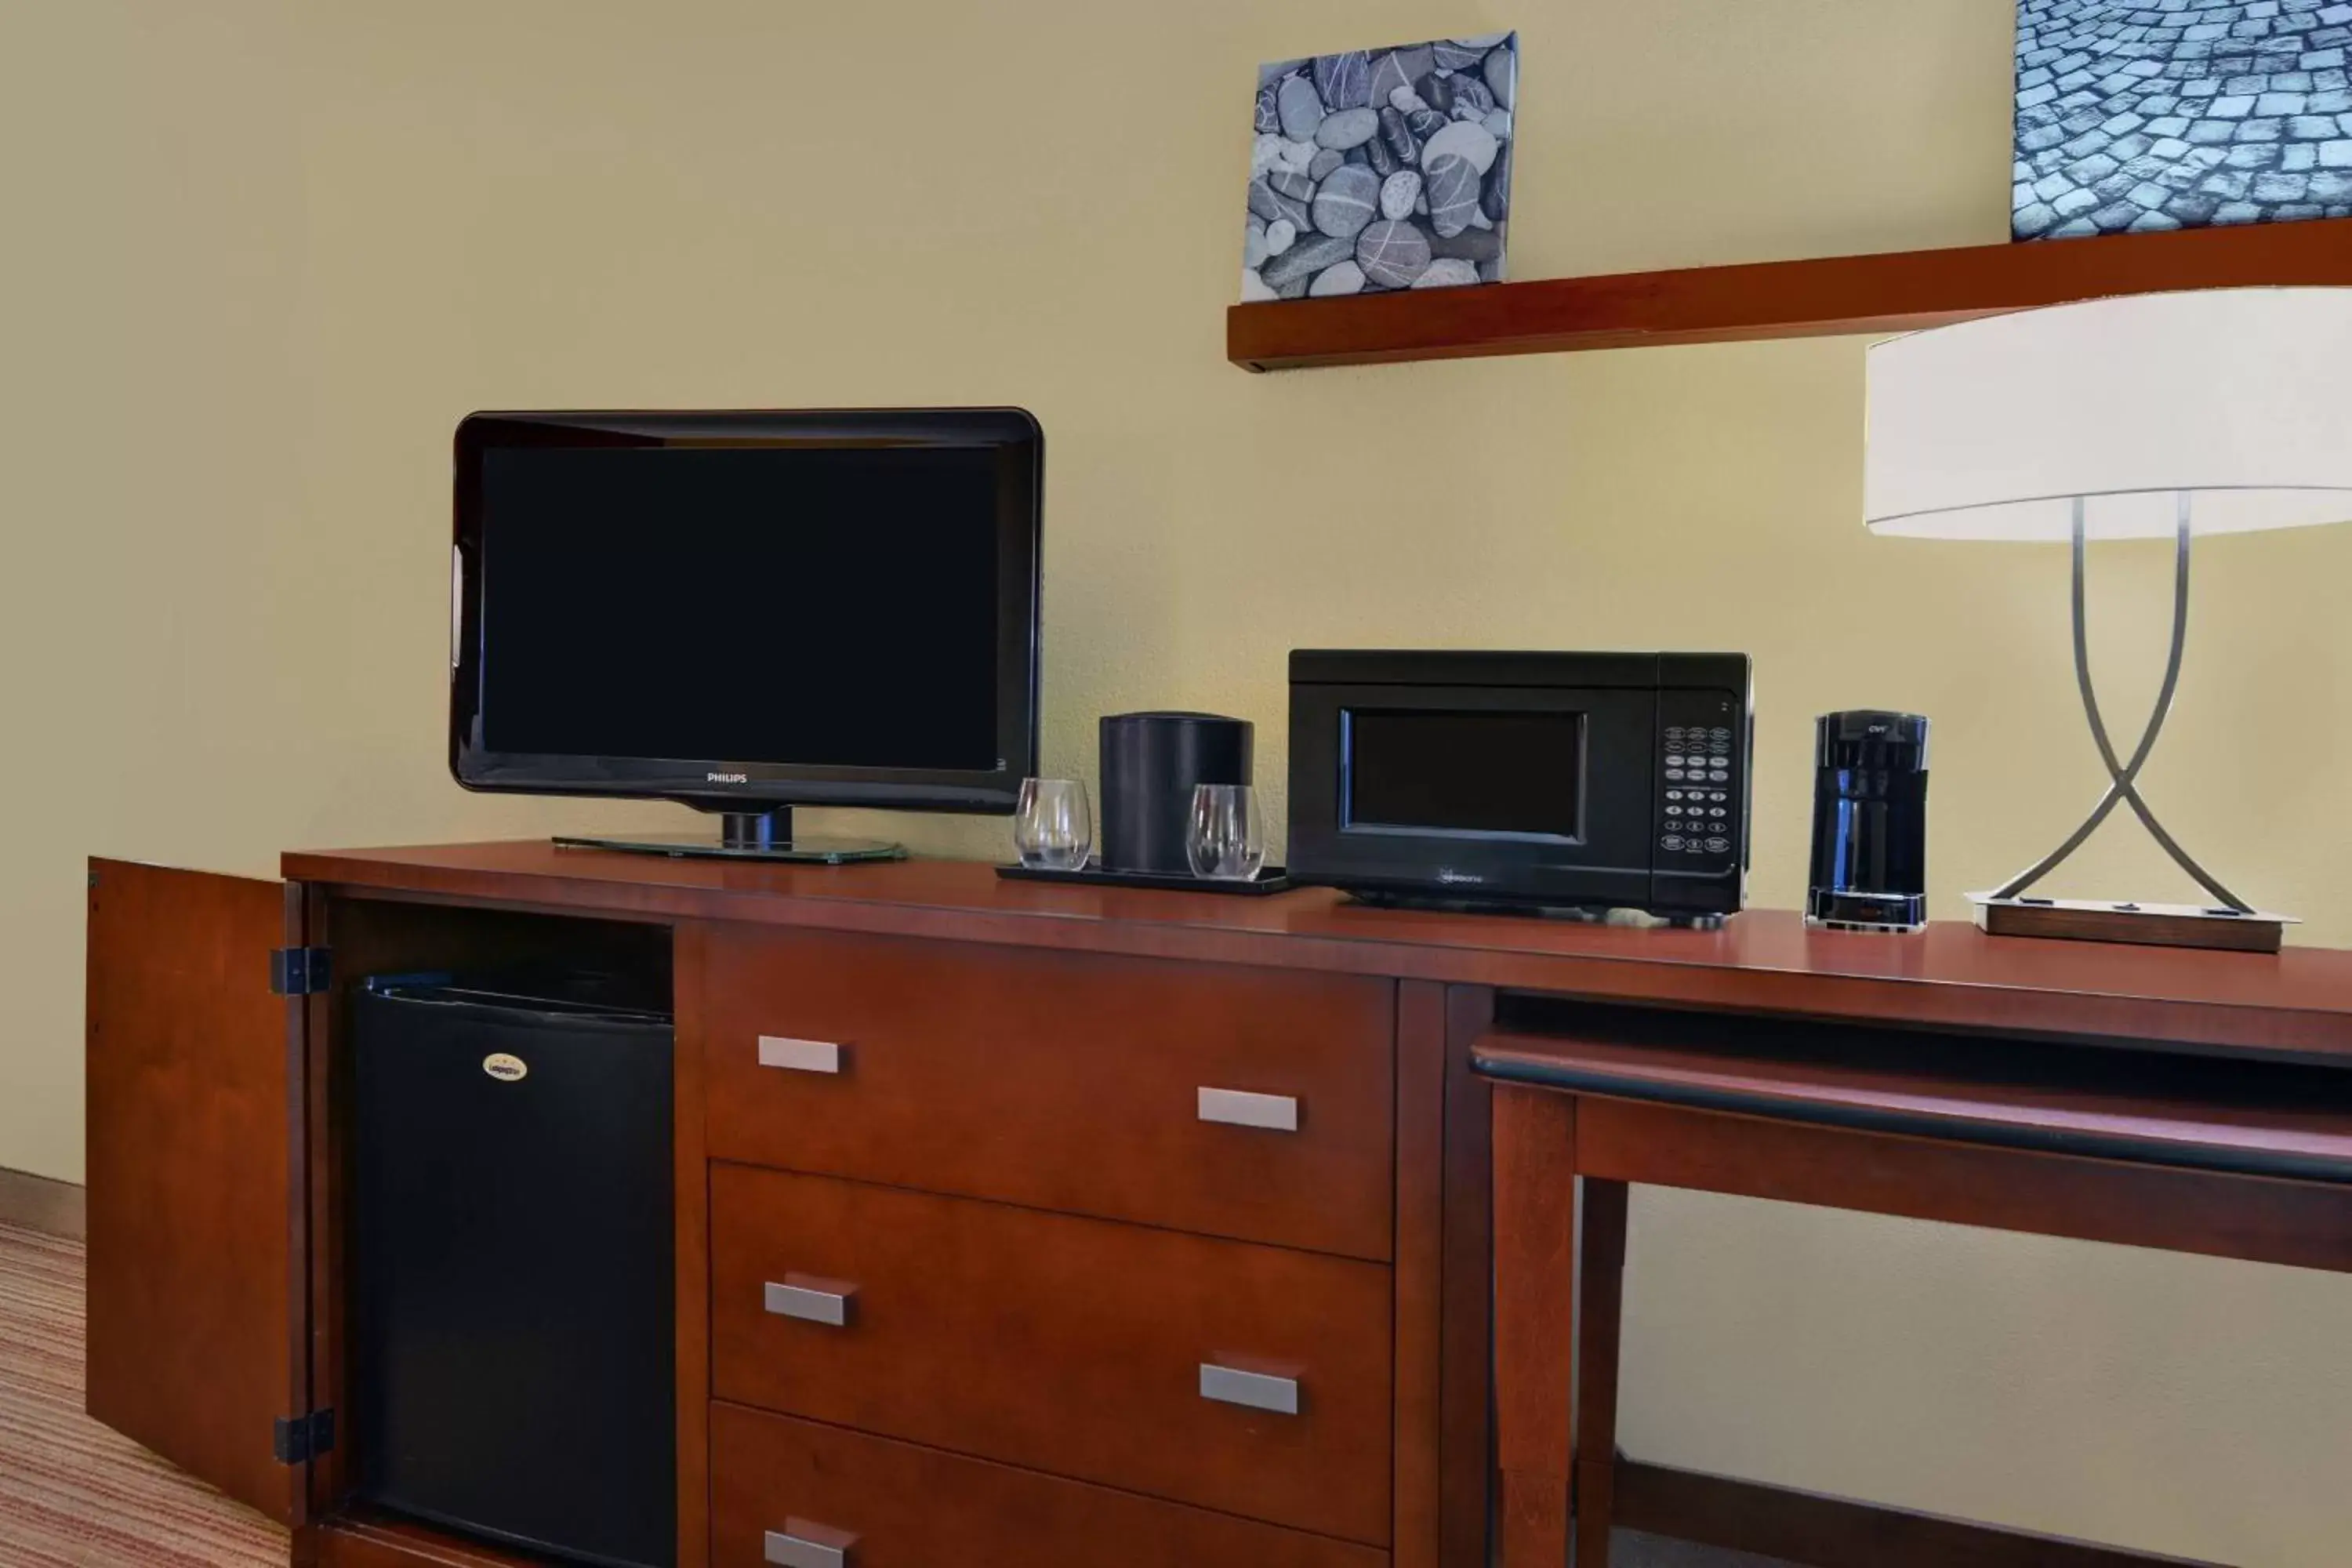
point(1835, 1532)
point(37, 1202)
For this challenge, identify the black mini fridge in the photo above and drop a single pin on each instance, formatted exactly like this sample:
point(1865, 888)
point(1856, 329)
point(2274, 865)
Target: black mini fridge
point(512, 1353)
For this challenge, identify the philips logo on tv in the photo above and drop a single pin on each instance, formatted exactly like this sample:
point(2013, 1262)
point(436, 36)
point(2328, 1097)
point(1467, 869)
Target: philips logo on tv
point(727, 778)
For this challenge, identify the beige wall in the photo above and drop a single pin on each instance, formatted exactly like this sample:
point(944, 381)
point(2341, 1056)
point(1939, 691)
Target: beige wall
point(261, 257)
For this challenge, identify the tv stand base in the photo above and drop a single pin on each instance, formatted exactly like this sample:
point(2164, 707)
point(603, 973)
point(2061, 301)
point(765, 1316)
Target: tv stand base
point(746, 836)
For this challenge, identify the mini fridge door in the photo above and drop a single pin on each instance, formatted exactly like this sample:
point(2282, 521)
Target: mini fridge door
point(512, 1352)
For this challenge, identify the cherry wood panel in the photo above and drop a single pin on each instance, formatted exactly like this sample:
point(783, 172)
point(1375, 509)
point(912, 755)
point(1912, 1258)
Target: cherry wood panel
point(1543, 1138)
point(1065, 1081)
point(769, 1468)
point(2296, 1003)
point(1835, 1532)
point(1417, 1538)
point(1466, 1435)
point(690, 1230)
point(1600, 1317)
point(1065, 1344)
point(1535, 1295)
point(327, 1121)
point(1895, 292)
point(196, 1258)
point(2262, 1220)
point(2251, 1117)
point(370, 1540)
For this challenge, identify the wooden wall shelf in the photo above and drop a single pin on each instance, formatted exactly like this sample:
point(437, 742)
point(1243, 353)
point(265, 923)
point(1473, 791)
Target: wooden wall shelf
point(1897, 291)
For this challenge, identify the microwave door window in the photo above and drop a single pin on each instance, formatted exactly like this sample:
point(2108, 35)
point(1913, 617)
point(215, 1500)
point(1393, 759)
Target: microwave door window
point(1515, 774)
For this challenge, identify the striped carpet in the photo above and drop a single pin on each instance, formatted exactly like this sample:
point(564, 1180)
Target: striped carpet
point(73, 1494)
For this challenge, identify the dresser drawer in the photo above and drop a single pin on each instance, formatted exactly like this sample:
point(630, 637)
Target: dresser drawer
point(893, 1505)
point(1105, 1351)
point(1253, 1103)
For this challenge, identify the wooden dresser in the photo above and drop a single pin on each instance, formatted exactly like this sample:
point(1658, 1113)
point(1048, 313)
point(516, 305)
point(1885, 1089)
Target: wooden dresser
point(1015, 1223)
point(1094, 1222)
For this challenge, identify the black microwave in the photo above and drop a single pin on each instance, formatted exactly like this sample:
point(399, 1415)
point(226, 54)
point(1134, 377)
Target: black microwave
point(1523, 781)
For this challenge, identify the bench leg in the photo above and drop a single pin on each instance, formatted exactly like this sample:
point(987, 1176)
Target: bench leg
point(1600, 1289)
point(1535, 1346)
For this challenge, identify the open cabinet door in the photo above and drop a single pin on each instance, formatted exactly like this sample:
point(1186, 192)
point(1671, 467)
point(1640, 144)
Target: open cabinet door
point(196, 1217)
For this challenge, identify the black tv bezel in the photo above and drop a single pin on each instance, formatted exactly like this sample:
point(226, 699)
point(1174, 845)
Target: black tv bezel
point(765, 785)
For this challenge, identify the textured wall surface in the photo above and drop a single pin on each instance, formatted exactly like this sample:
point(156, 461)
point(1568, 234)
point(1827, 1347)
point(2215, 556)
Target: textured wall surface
point(264, 254)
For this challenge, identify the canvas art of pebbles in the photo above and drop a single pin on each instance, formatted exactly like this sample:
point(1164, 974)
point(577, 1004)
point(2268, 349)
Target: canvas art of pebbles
point(1381, 169)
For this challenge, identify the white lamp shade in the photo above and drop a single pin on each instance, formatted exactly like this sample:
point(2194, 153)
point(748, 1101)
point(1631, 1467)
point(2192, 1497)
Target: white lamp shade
point(2242, 398)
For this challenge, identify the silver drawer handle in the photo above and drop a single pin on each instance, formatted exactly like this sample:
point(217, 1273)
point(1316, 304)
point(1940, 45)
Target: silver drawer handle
point(811, 1300)
point(1258, 1389)
point(800, 1056)
point(1239, 1107)
point(804, 1544)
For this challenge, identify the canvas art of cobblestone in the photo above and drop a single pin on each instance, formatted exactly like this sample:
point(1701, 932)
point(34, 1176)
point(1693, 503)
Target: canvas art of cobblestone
point(2181, 114)
point(1381, 169)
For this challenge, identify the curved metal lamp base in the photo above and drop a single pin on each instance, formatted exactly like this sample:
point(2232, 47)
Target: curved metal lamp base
point(2170, 924)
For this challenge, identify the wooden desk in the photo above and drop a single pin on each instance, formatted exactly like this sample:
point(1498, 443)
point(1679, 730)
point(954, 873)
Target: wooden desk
point(2111, 1141)
point(1024, 1062)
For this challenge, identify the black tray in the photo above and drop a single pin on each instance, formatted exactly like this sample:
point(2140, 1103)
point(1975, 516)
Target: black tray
point(1269, 879)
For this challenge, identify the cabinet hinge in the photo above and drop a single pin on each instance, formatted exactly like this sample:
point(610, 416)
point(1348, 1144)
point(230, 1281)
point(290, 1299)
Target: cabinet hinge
point(301, 1438)
point(299, 971)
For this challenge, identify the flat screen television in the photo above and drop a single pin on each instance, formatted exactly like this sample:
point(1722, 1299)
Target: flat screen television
point(746, 612)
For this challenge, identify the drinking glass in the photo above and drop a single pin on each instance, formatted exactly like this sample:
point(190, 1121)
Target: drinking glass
point(1226, 836)
point(1054, 824)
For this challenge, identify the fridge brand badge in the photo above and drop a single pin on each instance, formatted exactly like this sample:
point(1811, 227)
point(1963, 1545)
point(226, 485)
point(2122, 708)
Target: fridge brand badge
point(504, 1067)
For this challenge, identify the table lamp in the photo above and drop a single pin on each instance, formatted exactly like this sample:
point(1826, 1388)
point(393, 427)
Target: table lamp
point(2158, 416)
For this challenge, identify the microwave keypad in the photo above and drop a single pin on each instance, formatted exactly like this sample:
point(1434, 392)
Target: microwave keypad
point(1697, 819)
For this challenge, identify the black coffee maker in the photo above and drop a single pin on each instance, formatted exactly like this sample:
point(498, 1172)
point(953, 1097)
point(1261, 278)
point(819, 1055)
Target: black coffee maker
point(1870, 822)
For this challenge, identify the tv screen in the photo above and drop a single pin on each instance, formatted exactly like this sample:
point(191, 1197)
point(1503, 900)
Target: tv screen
point(747, 610)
